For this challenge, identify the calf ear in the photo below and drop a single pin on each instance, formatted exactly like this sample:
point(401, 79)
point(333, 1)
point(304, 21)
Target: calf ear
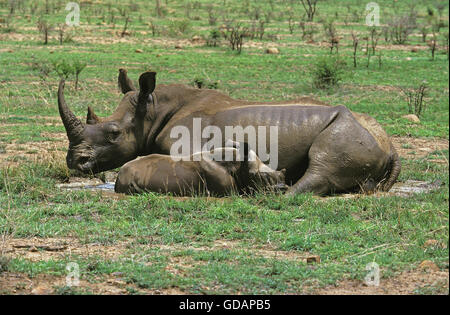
point(125, 84)
point(91, 118)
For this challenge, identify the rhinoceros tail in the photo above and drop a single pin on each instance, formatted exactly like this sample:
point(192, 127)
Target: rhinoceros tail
point(395, 167)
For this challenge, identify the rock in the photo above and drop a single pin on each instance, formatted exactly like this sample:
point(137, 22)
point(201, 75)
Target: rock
point(414, 49)
point(431, 243)
point(408, 58)
point(411, 117)
point(178, 46)
point(313, 259)
point(428, 265)
point(272, 50)
point(139, 51)
point(42, 290)
point(196, 38)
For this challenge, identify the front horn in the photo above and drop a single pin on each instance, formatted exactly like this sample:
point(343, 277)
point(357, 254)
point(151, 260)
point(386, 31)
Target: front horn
point(74, 126)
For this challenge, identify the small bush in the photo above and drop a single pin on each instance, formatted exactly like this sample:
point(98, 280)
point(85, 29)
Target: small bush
point(327, 72)
point(63, 68)
point(45, 28)
point(415, 98)
point(214, 37)
point(4, 263)
point(6, 24)
point(180, 27)
point(400, 27)
point(43, 68)
point(235, 35)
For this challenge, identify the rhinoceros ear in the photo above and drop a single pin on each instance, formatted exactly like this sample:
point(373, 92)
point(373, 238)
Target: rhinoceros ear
point(125, 84)
point(147, 83)
point(91, 118)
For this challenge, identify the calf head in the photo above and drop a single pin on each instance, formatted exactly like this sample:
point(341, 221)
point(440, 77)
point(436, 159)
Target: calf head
point(261, 176)
point(103, 144)
point(251, 173)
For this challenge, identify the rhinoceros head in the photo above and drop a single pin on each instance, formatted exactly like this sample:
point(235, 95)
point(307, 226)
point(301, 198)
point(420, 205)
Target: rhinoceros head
point(103, 144)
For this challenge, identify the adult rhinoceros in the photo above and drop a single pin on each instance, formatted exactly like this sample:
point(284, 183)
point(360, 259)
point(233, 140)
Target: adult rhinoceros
point(324, 149)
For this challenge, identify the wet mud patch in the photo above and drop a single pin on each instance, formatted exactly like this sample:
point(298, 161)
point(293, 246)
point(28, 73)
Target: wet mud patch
point(88, 184)
point(411, 187)
point(103, 183)
point(403, 189)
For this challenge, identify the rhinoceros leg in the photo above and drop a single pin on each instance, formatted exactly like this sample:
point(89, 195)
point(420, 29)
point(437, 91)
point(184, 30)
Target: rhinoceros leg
point(344, 157)
point(310, 182)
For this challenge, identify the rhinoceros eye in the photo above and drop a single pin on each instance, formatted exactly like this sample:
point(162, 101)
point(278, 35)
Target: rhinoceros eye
point(113, 132)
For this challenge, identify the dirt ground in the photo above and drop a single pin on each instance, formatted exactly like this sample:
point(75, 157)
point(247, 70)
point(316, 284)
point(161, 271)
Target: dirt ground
point(410, 282)
point(18, 283)
point(417, 148)
point(425, 279)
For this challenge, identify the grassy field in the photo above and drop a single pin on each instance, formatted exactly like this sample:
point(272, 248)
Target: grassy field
point(262, 244)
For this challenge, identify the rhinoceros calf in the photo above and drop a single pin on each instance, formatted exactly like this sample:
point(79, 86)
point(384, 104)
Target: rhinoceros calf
point(202, 173)
point(324, 149)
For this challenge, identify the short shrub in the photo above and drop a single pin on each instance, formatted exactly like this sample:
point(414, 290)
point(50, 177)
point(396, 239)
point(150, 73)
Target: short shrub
point(327, 72)
point(180, 27)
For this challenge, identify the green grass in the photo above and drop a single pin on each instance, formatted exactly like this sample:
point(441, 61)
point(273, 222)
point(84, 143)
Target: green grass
point(173, 243)
point(342, 232)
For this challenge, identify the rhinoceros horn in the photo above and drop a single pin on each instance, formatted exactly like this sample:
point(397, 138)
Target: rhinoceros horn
point(74, 127)
point(91, 118)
